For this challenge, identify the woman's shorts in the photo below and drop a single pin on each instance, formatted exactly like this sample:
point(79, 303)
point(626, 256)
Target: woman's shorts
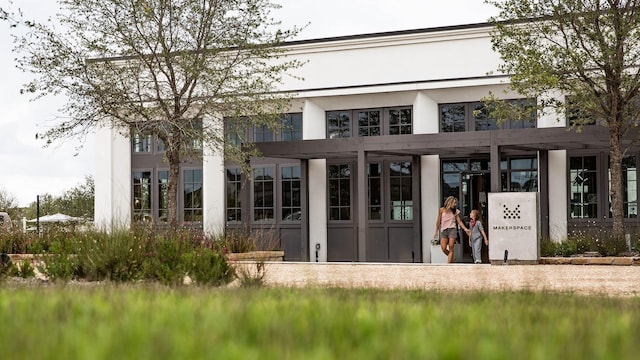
point(450, 233)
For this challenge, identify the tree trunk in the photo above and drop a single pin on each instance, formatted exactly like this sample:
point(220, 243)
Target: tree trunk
point(615, 188)
point(173, 157)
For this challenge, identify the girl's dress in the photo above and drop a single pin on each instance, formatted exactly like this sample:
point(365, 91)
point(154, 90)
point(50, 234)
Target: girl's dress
point(476, 240)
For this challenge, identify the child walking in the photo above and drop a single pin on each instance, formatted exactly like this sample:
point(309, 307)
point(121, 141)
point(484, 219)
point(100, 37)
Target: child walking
point(477, 234)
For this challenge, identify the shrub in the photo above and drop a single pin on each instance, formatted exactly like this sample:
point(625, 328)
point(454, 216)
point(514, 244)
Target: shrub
point(164, 261)
point(549, 247)
point(59, 263)
point(251, 274)
point(207, 266)
point(611, 245)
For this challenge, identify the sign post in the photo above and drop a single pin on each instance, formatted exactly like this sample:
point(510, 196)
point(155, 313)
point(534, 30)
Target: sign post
point(514, 228)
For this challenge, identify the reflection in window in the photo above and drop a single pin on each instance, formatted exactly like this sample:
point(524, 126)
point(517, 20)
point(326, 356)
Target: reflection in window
point(400, 122)
point(481, 118)
point(629, 188)
point(338, 124)
point(452, 118)
point(192, 186)
point(519, 174)
point(141, 143)
point(263, 195)
point(291, 127)
point(141, 195)
point(369, 123)
point(234, 200)
point(584, 187)
point(163, 195)
point(400, 191)
point(375, 192)
point(291, 201)
point(339, 192)
point(262, 133)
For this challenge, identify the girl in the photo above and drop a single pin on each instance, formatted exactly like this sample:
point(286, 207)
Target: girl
point(477, 234)
point(448, 215)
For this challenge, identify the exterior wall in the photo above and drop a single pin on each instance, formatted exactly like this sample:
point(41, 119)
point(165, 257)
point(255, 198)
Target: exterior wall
point(112, 180)
point(405, 57)
point(213, 180)
point(558, 195)
point(430, 194)
point(318, 209)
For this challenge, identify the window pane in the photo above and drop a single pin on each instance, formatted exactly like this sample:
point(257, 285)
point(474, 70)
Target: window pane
point(338, 124)
point(291, 127)
point(141, 196)
point(375, 192)
point(400, 191)
point(291, 201)
point(263, 195)
point(192, 190)
point(584, 196)
point(452, 118)
point(339, 192)
point(481, 118)
point(400, 122)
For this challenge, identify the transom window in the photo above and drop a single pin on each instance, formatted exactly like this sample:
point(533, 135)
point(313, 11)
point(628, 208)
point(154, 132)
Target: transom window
point(474, 116)
point(369, 122)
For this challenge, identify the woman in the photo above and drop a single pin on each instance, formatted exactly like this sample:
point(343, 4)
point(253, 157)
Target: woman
point(448, 215)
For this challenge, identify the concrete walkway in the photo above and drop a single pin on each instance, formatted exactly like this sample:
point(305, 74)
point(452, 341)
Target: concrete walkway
point(603, 280)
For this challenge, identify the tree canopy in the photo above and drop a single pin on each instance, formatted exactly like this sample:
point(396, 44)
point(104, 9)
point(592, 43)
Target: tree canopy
point(170, 68)
point(586, 51)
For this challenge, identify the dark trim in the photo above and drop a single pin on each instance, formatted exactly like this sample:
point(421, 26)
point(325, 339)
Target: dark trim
point(511, 142)
point(543, 189)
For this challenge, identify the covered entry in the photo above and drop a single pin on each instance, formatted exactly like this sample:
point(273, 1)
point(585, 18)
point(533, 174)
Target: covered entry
point(364, 212)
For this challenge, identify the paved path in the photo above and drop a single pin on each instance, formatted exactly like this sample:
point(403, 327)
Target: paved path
point(592, 279)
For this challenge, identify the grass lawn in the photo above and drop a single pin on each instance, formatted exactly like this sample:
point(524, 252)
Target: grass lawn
point(153, 322)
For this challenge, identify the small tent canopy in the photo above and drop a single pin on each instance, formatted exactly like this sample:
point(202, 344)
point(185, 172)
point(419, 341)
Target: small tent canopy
point(57, 218)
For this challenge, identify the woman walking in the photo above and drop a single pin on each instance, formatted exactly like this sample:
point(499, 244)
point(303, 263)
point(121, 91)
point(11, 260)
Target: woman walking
point(448, 216)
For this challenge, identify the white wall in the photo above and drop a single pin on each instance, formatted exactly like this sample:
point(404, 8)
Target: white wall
point(213, 179)
point(112, 180)
point(558, 195)
point(318, 209)
point(430, 198)
point(453, 54)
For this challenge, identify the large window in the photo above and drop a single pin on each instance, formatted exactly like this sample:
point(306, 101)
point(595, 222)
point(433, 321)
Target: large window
point(474, 116)
point(291, 201)
point(192, 185)
point(401, 194)
point(262, 133)
point(629, 188)
point(263, 194)
point(369, 122)
point(339, 192)
point(141, 143)
point(234, 197)
point(291, 127)
point(584, 187)
point(519, 174)
point(141, 195)
point(400, 122)
point(338, 124)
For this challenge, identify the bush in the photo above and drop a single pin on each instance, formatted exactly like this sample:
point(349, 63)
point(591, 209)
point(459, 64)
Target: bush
point(59, 263)
point(164, 262)
point(549, 247)
point(207, 266)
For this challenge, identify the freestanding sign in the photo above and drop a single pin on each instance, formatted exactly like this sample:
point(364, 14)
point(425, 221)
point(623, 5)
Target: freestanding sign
point(513, 226)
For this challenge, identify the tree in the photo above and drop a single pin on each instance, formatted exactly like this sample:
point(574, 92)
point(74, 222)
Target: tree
point(77, 202)
point(7, 200)
point(587, 50)
point(175, 69)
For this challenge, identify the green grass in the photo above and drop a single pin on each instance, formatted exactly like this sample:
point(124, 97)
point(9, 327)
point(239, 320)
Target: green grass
point(153, 322)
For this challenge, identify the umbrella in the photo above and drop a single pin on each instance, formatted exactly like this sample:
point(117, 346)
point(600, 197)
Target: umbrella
point(60, 218)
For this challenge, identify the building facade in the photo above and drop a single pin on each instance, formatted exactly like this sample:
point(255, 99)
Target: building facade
point(382, 128)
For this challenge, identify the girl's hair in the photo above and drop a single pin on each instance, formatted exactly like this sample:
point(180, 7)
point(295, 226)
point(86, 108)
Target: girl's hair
point(476, 214)
point(448, 203)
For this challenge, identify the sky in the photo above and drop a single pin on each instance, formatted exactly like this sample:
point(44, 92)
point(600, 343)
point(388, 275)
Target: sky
point(28, 169)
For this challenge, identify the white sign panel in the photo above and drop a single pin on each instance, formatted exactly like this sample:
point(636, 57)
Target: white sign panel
point(513, 226)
